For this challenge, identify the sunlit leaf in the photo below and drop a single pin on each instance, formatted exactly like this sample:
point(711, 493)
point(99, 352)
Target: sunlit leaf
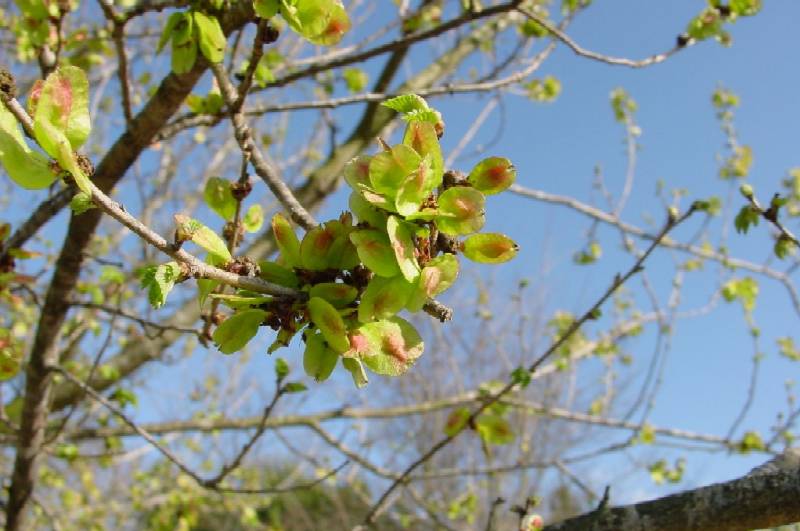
point(238, 329)
point(388, 169)
point(393, 346)
point(492, 175)
point(191, 229)
point(26, 167)
point(456, 421)
point(403, 247)
point(318, 360)
point(490, 248)
point(416, 187)
point(375, 250)
point(277, 274)
point(356, 369)
point(330, 323)
point(212, 39)
point(384, 297)
point(406, 103)
point(462, 211)
point(494, 429)
point(366, 213)
point(253, 218)
point(287, 241)
point(339, 295)
point(158, 281)
point(422, 138)
point(217, 195)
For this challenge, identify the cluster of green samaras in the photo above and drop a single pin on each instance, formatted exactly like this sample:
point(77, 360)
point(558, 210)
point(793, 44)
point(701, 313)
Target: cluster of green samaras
point(394, 250)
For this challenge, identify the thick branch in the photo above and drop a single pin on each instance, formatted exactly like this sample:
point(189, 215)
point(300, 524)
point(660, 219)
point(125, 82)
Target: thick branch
point(761, 499)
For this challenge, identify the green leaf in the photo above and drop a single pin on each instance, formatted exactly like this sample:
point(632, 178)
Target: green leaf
point(494, 429)
point(492, 175)
point(388, 347)
point(281, 369)
point(356, 172)
point(384, 297)
point(389, 169)
point(788, 348)
point(319, 21)
point(521, 377)
point(490, 248)
point(375, 251)
point(439, 274)
point(80, 203)
point(212, 39)
point(748, 216)
point(406, 103)
point(337, 25)
point(416, 188)
point(316, 248)
point(266, 8)
point(26, 167)
point(191, 229)
point(403, 247)
point(184, 44)
point(784, 246)
point(287, 241)
point(295, 387)
point(10, 355)
point(366, 213)
point(242, 299)
point(64, 103)
point(253, 219)
point(422, 138)
point(456, 421)
point(61, 121)
point(355, 79)
point(318, 360)
point(277, 274)
point(461, 211)
point(159, 281)
point(356, 369)
point(170, 26)
point(238, 329)
point(751, 441)
point(744, 289)
point(218, 197)
point(330, 323)
point(543, 90)
point(339, 295)
point(745, 8)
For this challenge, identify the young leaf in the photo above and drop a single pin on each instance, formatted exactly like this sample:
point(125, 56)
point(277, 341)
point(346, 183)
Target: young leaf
point(218, 197)
point(158, 281)
point(80, 203)
point(492, 175)
point(253, 219)
point(456, 421)
point(266, 8)
point(403, 247)
point(388, 169)
point(281, 369)
point(422, 138)
point(375, 250)
point(490, 248)
point(184, 44)
point(356, 369)
point(461, 211)
point(494, 429)
point(238, 329)
point(26, 167)
point(366, 213)
point(318, 360)
point(394, 346)
point(438, 274)
point(277, 274)
point(330, 323)
point(384, 297)
point(191, 229)
point(416, 187)
point(212, 39)
point(316, 248)
point(64, 104)
point(356, 172)
point(355, 79)
point(338, 24)
point(170, 26)
point(339, 295)
point(406, 103)
point(287, 241)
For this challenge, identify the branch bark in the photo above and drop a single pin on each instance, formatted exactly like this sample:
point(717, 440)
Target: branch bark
point(767, 497)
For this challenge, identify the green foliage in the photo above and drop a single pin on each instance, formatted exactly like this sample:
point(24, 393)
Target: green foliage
point(80, 203)
point(61, 119)
point(26, 167)
point(788, 349)
point(661, 472)
point(321, 22)
point(745, 290)
point(589, 255)
point(544, 90)
point(238, 329)
point(191, 229)
point(751, 442)
point(355, 79)
point(748, 216)
point(490, 248)
point(158, 281)
point(218, 197)
point(189, 31)
point(622, 104)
